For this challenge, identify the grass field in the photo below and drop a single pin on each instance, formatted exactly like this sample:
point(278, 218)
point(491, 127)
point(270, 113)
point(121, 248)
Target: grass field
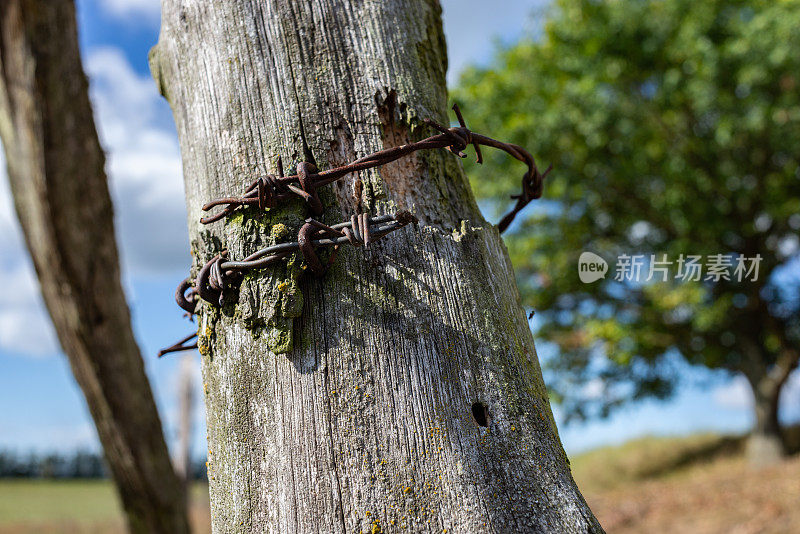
point(691, 485)
point(80, 506)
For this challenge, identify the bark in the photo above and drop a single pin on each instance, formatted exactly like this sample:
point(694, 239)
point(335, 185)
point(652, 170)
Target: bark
point(352, 403)
point(765, 445)
point(55, 167)
point(767, 442)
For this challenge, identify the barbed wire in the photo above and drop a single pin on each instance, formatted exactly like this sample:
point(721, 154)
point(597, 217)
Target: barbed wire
point(220, 273)
point(180, 345)
point(266, 192)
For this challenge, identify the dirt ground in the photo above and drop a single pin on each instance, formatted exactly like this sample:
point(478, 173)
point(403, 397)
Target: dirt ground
point(724, 496)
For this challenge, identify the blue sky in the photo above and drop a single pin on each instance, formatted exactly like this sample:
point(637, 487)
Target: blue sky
point(42, 407)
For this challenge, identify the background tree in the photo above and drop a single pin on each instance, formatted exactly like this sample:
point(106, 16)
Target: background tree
point(345, 403)
point(673, 126)
point(186, 409)
point(55, 167)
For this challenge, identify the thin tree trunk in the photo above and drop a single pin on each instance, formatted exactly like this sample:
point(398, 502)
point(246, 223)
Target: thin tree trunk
point(766, 444)
point(55, 167)
point(355, 402)
point(183, 457)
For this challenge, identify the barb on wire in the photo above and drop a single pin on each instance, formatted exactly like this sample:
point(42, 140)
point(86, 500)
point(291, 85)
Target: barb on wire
point(186, 297)
point(219, 273)
point(267, 191)
point(180, 345)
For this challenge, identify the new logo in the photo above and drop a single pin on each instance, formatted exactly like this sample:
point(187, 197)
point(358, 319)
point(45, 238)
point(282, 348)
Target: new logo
point(591, 267)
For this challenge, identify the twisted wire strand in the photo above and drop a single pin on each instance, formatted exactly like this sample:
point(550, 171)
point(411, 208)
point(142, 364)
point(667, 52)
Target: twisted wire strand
point(219, 273)
point(266, 192)
point(180, 345)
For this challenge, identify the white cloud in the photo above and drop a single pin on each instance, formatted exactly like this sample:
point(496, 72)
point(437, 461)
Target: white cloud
point(25, 327)
point(27, 331)
point(128, 10)
point(736, 394)
point(143, 163)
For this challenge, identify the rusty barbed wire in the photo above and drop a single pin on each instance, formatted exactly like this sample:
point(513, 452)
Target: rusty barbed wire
point(220, 273)
point(266, 192)
point(180, 345)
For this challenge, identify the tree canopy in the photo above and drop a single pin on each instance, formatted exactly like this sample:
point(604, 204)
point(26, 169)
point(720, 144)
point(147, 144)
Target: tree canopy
point(673, 127)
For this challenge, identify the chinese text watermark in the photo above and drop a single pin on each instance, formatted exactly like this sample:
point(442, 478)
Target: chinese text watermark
point(661, 268)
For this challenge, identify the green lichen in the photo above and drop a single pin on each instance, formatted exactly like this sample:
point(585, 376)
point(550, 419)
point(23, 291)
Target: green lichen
point(278, 232)
point(157, 71)
point(279, 339)
point(206, 331)
point(291, 300)
point(269, 299)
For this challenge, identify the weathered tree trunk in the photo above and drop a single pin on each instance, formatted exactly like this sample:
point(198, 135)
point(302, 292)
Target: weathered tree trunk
point(355, 402)
point(55, 166)
point(766, 444)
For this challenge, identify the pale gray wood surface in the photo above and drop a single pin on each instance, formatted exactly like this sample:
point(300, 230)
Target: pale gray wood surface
point(344, 404)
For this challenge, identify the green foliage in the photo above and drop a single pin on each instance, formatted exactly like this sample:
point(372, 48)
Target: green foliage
point(674, 128)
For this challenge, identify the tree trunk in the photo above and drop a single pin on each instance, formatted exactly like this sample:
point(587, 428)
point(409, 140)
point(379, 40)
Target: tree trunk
point(55, 167)
point(401, 389)
point(766, 445)
point(183, 456)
